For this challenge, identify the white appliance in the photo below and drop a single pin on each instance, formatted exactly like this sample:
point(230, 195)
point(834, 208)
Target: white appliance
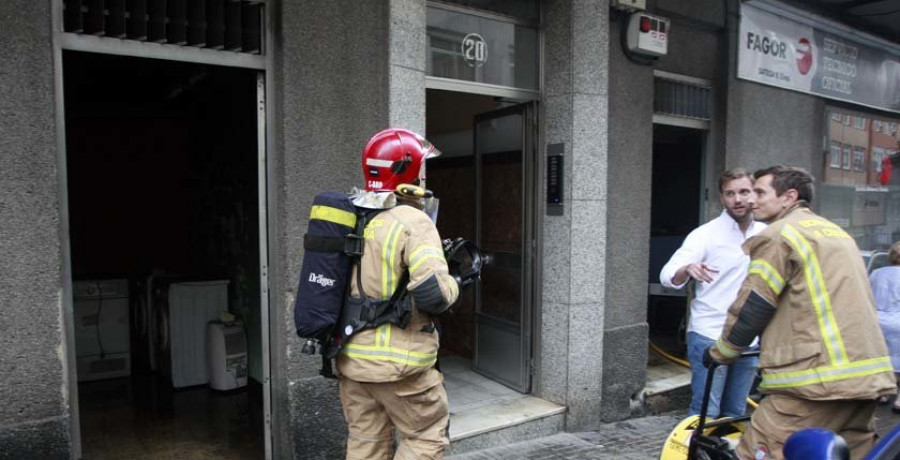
point(102, 339)
point(189, 306)
point(226, 355)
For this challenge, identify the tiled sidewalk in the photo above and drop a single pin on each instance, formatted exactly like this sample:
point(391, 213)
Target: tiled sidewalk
point(635, 439)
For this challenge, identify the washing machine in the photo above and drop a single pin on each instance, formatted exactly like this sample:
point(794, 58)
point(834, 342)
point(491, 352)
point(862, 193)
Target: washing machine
point(102, 338)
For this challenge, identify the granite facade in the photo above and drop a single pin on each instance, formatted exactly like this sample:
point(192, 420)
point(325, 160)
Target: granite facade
point(573, 267)
point(33, 388)
point(342, 70)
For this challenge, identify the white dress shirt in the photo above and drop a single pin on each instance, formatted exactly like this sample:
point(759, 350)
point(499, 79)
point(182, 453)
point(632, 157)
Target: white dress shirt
point(716, 243)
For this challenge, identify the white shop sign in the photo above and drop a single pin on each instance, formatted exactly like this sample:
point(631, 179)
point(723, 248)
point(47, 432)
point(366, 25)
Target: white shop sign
point(780, 52)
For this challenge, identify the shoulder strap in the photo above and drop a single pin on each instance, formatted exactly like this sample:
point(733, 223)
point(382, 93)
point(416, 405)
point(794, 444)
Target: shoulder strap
point(356, 242)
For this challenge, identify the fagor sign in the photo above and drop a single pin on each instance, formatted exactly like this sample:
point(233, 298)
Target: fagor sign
point(766, 45)
point(780, 52)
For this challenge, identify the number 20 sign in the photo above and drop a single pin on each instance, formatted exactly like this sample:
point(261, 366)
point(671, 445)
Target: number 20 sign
point(474, 50)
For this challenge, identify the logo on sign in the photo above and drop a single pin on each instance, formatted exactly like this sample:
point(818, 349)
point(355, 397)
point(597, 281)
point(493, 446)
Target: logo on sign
point(474, 50)
point(804, 56)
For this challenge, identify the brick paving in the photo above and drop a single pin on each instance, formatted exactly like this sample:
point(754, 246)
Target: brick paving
point(635, 439)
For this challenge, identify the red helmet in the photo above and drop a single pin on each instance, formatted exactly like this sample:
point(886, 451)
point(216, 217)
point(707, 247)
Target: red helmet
point(393, 157)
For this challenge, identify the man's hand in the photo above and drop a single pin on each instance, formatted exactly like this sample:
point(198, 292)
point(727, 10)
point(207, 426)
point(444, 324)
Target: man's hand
point(701, 272)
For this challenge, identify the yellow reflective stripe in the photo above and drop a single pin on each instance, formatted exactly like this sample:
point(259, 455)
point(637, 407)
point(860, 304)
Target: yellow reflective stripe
point(387, 271)
point(397, 355)
point(423, 253)
point(726, 349)
point(335, 215)
point(414, 354)
point(423, 258)
point(383, 335)
point(454, 288)
point(768, 274)
point(394, 250)
point(422, 248)
point(824, 374)
point(819, 295)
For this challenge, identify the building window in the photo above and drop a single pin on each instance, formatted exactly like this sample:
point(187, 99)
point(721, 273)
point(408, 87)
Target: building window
point(836, 116)
point(847, 155)
point(859, 123)
point(472, 47)
point(846, 120)
point(877, 125)
point(859, 159)
point(877, 157)
point(235, 25)
point(892, 129)
point(834, 155)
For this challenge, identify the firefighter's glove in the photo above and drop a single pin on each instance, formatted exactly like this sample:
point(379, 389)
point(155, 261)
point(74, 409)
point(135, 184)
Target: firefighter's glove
point(447, 244)
point(708, 360)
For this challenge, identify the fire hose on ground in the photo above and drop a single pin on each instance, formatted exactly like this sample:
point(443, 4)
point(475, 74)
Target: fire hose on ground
point(684, 363)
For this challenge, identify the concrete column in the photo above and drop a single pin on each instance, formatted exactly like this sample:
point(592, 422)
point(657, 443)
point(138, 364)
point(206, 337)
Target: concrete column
point(574, 244)
point(406, 72)
point(625, 328)
point(34, 415)
point(344, 69)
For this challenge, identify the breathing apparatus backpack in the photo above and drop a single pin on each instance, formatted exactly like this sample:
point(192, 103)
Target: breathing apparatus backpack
point(324, 311)
point(325, 271)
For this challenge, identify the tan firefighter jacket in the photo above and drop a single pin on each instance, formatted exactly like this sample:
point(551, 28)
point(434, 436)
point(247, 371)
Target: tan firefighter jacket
point(396, 240)
point(822, 340)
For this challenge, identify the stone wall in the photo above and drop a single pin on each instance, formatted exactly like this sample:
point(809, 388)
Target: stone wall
point(34, 416)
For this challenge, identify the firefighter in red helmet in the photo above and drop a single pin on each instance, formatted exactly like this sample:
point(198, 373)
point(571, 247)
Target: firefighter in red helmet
point(393, 157)
point(388, 379)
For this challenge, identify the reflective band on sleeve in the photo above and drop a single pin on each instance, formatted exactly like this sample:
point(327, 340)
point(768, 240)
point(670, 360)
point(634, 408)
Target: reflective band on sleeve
point(334, 215)
point(422, 254)
point(768, 274)
point(454, 289)
point(726, 349)
point(824, 374)
point(396, 355)
point(819, 295)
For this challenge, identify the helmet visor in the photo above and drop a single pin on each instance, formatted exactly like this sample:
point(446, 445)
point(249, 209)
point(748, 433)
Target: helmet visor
point(430, 150)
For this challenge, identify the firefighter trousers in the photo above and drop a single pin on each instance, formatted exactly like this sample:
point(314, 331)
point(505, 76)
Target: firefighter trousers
point(416, 407)
point(779, 416)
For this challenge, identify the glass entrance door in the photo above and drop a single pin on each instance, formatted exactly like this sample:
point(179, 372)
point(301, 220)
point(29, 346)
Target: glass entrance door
point(504, 168)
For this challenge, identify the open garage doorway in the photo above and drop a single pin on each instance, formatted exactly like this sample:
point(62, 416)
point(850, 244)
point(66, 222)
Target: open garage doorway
point(164, 227)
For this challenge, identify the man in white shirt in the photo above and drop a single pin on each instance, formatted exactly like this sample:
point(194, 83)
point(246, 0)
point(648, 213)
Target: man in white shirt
point(712, 255)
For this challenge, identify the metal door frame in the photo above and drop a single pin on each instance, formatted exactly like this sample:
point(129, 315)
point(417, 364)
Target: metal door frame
point(110, 46)
point(530, 175)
